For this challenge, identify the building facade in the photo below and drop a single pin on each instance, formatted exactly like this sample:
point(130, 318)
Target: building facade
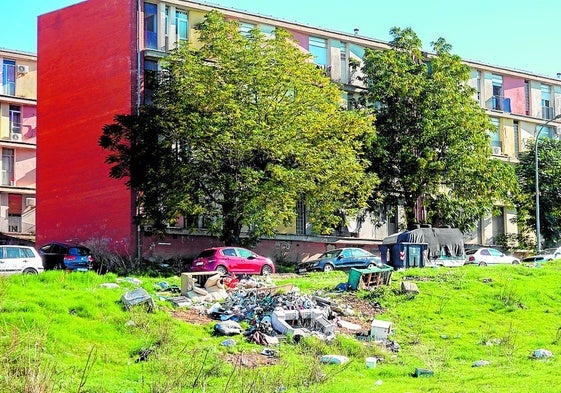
point(83, 83)
point(18, 140)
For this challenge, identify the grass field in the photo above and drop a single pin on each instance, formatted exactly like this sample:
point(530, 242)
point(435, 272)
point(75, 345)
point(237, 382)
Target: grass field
point(64, 332)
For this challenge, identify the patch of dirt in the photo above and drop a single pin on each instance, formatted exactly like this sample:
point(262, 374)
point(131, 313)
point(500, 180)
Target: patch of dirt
point(250, 360)
point(191, 315)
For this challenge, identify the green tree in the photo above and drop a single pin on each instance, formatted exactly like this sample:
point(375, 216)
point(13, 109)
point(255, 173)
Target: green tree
point(240, 130)
point(433, 138)
point(549, 172)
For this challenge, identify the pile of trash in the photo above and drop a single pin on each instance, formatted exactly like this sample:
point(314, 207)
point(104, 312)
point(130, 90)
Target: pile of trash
point(270, 313)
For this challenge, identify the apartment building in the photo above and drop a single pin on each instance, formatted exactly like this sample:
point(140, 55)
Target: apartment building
point(95, 60)
point(18, 139)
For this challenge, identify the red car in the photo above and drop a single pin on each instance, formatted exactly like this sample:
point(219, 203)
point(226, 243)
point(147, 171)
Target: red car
point(235, 260)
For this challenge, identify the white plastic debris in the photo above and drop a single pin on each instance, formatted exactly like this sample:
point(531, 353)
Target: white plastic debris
point(542, 354)
point(334, 359)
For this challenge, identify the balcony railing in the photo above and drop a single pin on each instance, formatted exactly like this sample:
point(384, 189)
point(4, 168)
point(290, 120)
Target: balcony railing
point(498, 103)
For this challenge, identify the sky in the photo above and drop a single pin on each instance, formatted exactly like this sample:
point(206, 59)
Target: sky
point(518, 34)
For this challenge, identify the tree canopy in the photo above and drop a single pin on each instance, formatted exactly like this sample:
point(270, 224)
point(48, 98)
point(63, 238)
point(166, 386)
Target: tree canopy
point(242, 128)
point(549, 173)
point(433, 144)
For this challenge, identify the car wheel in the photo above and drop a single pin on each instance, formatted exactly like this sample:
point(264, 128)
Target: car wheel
point(266, 270)
point(222, 270)
point(328, 268)
point(516, 262)
point(30, 271)
point(482, 264)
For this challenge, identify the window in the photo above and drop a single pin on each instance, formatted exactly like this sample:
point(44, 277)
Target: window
point(499, 224)
point(12, 252)
point(9, 77)
point(15, 119)
point(150, 26)
point(496, 101)
point(495, 136)
point(230, 252)
point(181, 26)
point(245, 28)
point(360, 253)
point(527, 96)
point(244, 253)
point(343, 59)
point(14, 212)
point(547, 110)
point(268, 30)
point(7, 167)
point(150, 79)
point(318, 49)
point(516, 138)
point(545, 132)
point(301, 217)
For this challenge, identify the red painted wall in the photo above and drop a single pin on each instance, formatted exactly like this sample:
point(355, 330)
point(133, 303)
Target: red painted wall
point(86, 75)
point(514, 89)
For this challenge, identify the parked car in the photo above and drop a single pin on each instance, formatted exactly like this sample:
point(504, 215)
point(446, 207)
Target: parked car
point(66, 256)
point(20, 259)
point(489, 256)
point(341, 258)
point(235, 260)
point(549, 254)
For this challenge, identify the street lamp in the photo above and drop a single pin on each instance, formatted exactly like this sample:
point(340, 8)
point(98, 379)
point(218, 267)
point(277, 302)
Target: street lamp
point(538, 229)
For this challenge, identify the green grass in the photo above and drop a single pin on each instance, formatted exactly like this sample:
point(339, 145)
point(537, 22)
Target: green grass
point(62, 332)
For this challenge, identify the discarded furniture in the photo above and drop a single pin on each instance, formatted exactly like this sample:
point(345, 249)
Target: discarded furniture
point(370, 278)
point(189, 280)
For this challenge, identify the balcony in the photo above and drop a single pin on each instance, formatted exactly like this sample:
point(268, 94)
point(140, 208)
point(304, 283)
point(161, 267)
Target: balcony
point(498, 103)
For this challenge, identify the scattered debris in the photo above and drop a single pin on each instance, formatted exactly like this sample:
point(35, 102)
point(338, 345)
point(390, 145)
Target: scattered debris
point(380, 330)
point(334, 359)
point(137, 297)
point(132, 280)
point(423, 372)
point(228, 343)
point(143, 354)
point(542, 354)
point(180, 301)
point(371, 362)
point(227, 328)
point(270, 352)
point(165, 286)
point(109, 285)
point(408, 287)
point(480, 363)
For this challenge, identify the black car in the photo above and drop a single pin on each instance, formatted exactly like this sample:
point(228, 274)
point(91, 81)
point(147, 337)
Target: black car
point(66, 256)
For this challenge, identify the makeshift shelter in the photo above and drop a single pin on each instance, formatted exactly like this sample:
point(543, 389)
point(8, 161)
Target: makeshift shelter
point(424, 247)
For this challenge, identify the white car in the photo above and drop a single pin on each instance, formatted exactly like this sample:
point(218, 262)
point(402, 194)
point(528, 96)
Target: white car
point(20, 259)
point(549, 254)
point(489, 256)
